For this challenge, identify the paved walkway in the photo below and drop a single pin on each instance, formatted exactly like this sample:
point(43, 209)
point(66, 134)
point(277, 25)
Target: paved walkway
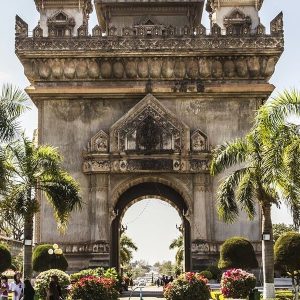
point(149, 293)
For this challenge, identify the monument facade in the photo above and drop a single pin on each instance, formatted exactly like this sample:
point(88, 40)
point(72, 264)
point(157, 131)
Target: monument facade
point(136, 106)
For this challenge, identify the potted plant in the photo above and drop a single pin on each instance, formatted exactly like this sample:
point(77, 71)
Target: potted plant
point(237, 284)
point(192, 286)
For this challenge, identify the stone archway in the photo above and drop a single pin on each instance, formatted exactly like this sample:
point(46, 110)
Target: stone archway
point(155, 190)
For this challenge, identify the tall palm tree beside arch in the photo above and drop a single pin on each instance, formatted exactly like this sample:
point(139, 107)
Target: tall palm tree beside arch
point(266, 172)
point(31, 169)
point(127, 246)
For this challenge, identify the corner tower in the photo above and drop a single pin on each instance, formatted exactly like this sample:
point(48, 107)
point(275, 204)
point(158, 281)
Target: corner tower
point(136, 106)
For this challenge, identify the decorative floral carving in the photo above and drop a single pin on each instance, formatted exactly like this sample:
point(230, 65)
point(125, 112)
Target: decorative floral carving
point(277, 24)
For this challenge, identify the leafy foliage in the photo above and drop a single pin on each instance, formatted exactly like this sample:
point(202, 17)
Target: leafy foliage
point(97, 272)
point(207, 274)
point(237, 252)
point(190, 286)
point(5, 258)
point(88, 288)
point(12, 105)
point(33, 169)
point(178, 244)
point(237, 284)
point(215, 271)
point(127, 246)
point(43, 261)
point(43, 279)
point(280, 229)
point(287, 255)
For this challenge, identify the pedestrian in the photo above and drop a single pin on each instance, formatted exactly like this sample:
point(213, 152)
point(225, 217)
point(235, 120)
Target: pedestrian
point(28, 290)
point(171, 279)
point(4, 288)
point(52, 293)
point(17, 287)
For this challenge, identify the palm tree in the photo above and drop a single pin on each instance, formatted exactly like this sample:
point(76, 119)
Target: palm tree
point(127, 246)
point(12, 105)
point(266, 172)
point(32, 169)
point(178, 244)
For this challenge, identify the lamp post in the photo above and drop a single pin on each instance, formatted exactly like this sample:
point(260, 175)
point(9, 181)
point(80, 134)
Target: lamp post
point(56, 252)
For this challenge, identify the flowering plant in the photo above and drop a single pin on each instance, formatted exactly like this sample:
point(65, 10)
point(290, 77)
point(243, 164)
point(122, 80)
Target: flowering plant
point(191, 286)
point(43, 279)
point(236, 283)
point(91, 287)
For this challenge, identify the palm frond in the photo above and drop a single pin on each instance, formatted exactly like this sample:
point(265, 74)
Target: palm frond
point(226, 203)
point(12, 105)
point(276, 110)
point(62, 191)
point(176, 243)
point(127, 242)
point(227, 155)
point(245, 194)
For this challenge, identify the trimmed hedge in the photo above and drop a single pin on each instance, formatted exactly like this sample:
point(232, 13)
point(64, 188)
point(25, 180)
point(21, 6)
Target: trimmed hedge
point(43, 261)
point(207, 274)
point(5, 258)
point(237, 252)
point(287, 252)
point(97, 272)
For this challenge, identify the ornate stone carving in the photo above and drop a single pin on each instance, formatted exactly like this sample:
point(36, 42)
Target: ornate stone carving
point(97, 31)
point(193, 68)
point(38, 32)
point(82, 30)
point(197, 165)
point(130, 132)
point(237, 23)
point(96, 247)
point(60, 24)
point(199, 141)
point(21, 28)
point(99, 142)
point(277, 24)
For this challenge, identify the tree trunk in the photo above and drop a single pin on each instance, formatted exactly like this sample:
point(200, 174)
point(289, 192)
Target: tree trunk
point(268, 254)
point(28, 239)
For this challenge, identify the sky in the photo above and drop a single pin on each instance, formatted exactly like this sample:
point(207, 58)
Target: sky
point(157, 222)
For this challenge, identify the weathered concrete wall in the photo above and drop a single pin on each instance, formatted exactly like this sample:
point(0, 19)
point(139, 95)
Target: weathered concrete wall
point(69, 125)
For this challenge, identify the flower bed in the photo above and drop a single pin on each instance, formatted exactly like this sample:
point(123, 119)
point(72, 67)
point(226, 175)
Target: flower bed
point(237, 284)
point(94, 288)
point(191, 286)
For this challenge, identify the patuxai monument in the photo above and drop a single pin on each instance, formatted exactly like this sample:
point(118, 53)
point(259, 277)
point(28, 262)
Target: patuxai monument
point(135, 105)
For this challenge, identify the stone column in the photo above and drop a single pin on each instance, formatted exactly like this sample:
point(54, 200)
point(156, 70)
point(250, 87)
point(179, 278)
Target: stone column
point(201, 213)
point(99, 209)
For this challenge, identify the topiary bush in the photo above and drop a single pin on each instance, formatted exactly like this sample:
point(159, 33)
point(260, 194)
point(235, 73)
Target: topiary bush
point(97, 272)
point(207, 274)
point(191, 286)
point(91, 287)
point(5, 258)
point(287, 255)
point(237, 252)
point(43, 261)
point(215, 271)
point(43, 279)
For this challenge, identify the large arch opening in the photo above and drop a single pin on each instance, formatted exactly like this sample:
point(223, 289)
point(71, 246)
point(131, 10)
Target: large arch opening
point(149, 190)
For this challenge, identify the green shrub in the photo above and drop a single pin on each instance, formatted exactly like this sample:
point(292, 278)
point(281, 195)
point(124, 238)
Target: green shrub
point(97, 272)
point(237, 252)
point(5, 258)
point(91, 288)
point(207, 274)
point(191, 286)
point(43, 279)
point(43, 261)
point(215, 271)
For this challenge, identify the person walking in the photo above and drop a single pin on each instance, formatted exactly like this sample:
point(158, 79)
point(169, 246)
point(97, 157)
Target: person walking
point(4, 288)
point(17, 287)
point(29, 291)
